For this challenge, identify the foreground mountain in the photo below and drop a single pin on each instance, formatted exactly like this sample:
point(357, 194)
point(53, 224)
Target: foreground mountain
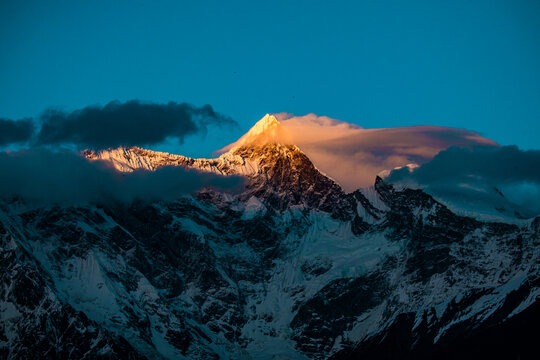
point(292, 268)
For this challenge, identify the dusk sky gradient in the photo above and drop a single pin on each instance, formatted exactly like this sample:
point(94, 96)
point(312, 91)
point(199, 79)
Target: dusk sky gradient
point(463, 64)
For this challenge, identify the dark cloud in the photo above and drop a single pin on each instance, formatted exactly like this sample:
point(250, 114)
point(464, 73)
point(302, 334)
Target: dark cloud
point(126, 124)
point(12, 132)
point(46, 177)
point(484, 175)
point(504, 164)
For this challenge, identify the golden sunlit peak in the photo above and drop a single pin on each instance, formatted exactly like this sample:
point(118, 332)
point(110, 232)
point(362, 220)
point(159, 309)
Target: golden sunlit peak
point(266, 130)
point(268, 121)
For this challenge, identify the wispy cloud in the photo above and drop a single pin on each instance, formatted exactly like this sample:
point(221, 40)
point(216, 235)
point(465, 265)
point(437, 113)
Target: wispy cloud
point(353, 156)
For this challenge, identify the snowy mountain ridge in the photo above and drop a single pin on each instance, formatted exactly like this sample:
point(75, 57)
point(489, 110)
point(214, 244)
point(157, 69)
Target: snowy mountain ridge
point(266, 131)
point(292, 268)
point(128, 159)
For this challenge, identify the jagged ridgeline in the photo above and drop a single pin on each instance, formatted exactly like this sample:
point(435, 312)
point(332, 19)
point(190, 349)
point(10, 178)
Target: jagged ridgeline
point(291, 268)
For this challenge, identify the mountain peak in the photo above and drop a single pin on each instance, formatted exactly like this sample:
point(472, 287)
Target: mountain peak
point(267, 122)
point(267, 130)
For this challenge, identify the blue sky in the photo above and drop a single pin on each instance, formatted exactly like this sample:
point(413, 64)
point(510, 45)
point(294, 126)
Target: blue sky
point(464, 64)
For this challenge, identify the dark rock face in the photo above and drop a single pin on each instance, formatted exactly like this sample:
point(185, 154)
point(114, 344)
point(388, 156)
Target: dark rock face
point(492, 339)
point(337, 305)
point(288, 178)
point(303, 271)
point(36, 324)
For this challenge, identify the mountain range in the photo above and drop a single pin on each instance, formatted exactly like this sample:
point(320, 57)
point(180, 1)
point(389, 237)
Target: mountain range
point(291, 267)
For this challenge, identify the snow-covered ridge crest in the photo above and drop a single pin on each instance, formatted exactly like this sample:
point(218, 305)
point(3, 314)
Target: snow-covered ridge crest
point(266, 131)
point(128, 159)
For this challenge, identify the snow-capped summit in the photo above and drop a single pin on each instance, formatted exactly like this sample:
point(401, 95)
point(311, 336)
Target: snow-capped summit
point(267, 122)
point(268, 130)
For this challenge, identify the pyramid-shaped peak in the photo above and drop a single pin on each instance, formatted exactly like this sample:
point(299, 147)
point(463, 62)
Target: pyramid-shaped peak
point(266, 130)
point(268, 121)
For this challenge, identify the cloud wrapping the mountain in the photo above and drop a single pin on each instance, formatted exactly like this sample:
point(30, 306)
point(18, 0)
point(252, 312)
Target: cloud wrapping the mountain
point(13, 132)
point(132, 123)
point(65, 178)
point(353, 156)
point(461, 172)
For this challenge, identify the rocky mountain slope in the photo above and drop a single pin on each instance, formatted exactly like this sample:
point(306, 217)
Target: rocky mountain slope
point(292, 268)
